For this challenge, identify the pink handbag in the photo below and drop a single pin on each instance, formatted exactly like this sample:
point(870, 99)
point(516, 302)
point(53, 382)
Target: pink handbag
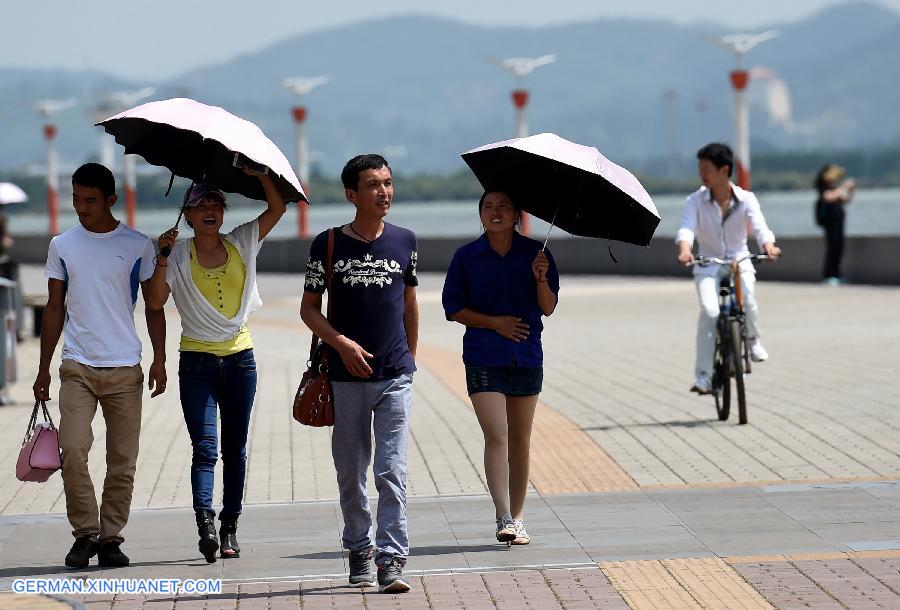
point(39, 456)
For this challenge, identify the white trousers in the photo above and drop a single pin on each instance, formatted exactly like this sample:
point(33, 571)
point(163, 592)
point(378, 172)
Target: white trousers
point(708, 292)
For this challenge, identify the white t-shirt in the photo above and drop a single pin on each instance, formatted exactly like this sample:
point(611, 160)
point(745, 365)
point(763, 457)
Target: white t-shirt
point(102, 273)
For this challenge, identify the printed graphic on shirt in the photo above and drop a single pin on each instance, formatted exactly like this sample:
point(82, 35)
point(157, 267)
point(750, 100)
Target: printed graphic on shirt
point(315, 274)
point(368, 271)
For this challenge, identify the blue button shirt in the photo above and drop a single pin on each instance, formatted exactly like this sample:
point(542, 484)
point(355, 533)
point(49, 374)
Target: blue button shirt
point(483, 281)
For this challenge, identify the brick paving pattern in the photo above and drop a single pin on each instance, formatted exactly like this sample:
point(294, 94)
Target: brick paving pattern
point(615, 416)
point(544, 589)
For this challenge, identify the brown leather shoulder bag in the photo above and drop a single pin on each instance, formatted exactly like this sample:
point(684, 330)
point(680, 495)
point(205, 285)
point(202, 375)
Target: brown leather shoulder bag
point(314, 402)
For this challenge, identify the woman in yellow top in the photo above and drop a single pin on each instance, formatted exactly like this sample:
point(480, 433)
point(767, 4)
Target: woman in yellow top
point(212, 279)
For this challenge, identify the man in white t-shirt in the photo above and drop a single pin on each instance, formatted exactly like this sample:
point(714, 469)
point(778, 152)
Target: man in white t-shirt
point(94, 270)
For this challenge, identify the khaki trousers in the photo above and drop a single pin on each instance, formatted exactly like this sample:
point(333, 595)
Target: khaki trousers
point(119, 391)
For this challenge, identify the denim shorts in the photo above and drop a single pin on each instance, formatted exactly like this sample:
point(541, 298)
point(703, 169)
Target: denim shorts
point(509, 380)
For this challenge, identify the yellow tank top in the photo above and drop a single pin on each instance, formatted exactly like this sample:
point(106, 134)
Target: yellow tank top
point(223, 288)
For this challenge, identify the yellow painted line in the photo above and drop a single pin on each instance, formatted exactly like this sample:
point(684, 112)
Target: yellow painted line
point(885, 554)
point(738, 484)
point(646, 585)
point(682, 583)
point(563, 458)
point(874, 554)
point(715, 584)
point(15, 601)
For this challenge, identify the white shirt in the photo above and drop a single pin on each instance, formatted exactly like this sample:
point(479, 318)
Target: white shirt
point(723, 235)
point(102, 274)
point(199, 319)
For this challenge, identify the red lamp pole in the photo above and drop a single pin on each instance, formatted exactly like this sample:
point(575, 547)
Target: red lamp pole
point(52, 180)
point(739, 80)
point(130, 191)
point(299, 114)
point(520, 101)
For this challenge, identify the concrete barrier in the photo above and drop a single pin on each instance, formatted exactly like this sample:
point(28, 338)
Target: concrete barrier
point(867, 260)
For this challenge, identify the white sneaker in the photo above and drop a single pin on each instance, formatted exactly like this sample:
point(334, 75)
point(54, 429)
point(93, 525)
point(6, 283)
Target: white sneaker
point(522, 536)
point(757, 352)
point(702, 385)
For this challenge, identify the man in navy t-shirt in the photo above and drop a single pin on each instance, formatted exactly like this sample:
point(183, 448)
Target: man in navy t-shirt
point(371, 341)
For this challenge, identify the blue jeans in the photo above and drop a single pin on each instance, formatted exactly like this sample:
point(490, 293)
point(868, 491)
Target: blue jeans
point(359, 408)
point(211, 384)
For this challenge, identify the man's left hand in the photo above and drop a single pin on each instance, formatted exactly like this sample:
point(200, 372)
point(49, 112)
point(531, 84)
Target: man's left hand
point(157, 378)
point(772, 250)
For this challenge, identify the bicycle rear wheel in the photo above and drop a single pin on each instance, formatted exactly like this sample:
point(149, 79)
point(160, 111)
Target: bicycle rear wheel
point(737, 361)
point(721, 386)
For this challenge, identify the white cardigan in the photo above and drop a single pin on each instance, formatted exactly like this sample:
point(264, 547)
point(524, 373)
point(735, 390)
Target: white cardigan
point(199, 319)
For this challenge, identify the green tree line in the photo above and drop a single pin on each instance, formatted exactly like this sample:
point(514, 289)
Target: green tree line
point(771, 171)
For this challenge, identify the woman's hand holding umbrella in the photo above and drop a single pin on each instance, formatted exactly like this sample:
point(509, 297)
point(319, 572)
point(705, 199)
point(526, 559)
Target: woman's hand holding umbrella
point(540, 266)
point(166, 241)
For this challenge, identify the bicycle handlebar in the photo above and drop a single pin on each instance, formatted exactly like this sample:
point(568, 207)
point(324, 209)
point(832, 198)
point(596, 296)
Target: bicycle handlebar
point(703, 262)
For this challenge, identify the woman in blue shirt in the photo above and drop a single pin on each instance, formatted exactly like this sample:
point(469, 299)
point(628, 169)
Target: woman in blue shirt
point(498, 287)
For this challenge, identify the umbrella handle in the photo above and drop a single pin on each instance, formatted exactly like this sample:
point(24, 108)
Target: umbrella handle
point(166, 251)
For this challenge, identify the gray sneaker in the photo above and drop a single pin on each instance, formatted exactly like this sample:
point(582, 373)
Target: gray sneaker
point(361, 568)
point(390, 578)
point(506, 529)
point(702, 385)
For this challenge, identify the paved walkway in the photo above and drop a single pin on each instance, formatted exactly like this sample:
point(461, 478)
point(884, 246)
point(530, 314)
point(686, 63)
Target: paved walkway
point(640, 496)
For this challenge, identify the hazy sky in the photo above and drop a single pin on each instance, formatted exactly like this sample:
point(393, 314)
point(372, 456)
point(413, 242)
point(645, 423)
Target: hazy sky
point(154, 39)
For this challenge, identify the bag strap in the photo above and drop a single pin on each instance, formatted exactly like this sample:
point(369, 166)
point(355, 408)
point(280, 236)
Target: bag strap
point(329, 257)
point(31, 422)
point(33, 419)
point(47, 414)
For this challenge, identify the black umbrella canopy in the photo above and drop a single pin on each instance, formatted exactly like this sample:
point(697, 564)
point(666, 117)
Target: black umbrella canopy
point(581, 202)
point(185, 151)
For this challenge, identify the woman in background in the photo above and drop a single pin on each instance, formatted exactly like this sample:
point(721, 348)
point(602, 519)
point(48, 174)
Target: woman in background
point(830, 216)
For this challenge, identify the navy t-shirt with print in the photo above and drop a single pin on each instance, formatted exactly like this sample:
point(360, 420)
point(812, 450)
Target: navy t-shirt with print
point(368, 284)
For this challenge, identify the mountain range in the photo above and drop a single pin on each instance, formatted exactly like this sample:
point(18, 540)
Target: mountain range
point(421, 89)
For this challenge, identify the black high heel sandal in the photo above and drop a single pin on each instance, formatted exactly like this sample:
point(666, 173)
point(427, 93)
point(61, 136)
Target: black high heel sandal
point(228, 535)
point(206, 529)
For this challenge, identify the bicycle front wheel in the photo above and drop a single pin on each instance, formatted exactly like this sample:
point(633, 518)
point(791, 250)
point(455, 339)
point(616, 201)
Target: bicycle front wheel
point(737, 363)
point(721, 384)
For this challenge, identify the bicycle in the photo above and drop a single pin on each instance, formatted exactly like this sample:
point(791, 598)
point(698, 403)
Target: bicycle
point(732, 353)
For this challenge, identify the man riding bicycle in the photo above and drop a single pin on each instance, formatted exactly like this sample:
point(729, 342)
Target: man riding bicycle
point(719, 215)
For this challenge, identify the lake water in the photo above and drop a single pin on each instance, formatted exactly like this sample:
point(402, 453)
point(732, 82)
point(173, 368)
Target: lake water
point(790, 213)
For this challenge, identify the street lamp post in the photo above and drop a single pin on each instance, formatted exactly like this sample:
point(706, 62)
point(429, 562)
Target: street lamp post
point(739, 45)
point(106, 142)
point(52, 180)
point(300, 86)
point(47, 109)
point(129, 169)
point(119, 101)
point(520, 67)
point(520, 101)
